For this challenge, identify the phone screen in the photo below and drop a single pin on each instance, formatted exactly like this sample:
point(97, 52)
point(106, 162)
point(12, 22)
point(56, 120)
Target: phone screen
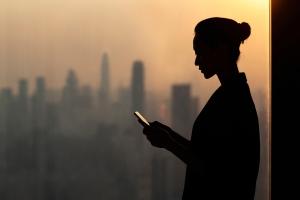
point(136, 113)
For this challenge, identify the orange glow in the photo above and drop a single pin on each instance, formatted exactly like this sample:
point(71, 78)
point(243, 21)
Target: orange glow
point(58, 35)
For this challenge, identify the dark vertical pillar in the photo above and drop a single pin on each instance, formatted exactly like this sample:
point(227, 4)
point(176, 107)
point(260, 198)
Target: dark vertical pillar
point(285, 85)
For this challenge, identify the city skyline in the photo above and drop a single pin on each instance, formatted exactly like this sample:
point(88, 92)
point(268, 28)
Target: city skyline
point(67, 130)
point(100, 94)
point(60, 35)
point(41, 127)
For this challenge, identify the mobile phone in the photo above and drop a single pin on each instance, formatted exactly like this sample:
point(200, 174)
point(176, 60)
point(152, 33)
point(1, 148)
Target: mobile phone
point(139, 116)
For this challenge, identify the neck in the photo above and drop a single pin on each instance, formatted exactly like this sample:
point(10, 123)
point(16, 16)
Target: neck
point(230, 71)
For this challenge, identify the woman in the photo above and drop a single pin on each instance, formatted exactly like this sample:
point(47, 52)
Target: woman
point(222, 156)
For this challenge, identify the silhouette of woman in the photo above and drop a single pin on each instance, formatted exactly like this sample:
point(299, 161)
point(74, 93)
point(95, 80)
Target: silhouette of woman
point(223, 154)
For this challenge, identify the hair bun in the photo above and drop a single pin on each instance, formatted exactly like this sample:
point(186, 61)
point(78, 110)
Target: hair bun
point(245, 31)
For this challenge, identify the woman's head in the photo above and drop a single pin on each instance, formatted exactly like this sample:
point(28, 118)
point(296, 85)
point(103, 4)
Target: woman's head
point(217, 41)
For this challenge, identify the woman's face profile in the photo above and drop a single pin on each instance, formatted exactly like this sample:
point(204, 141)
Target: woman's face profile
point(206, 58)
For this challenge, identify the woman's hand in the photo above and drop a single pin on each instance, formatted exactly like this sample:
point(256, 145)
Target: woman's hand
point(158, 134)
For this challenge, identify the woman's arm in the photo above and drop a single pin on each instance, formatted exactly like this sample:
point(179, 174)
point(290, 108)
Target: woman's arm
point(163, 136)
point(180, 147)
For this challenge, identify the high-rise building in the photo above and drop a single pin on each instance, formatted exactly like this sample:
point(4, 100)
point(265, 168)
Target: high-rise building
point(22, 99)
point(71, 94)
point(22, 106)
point(104, 93)
point(7, 111)
point(6, 105)
point(181, 104)
point(6, 125)
point(138, 104)
point(104, 99)
point(39, 104)
point(183, 107)
point(138, 87)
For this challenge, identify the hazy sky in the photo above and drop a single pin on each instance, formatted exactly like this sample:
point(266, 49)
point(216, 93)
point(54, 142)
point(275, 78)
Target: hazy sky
point(49, 37)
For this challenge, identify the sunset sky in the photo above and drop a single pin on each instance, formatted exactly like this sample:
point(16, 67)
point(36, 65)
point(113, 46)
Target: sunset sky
point(49, 37)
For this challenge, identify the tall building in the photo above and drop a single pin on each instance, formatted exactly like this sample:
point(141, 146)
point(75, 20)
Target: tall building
point(39, 104)
point(138, 104)
point(104, 93)
point(6, 125)
point(181, 109)
point(39, 136)
point(138, 87)
point(104, 99)
point(6, 108)
point(22, 106)
point(71, 94)
point(22, 99)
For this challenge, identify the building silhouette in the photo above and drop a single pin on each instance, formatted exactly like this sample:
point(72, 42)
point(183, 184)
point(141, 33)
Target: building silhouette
point(104, 92)
point(70, 97)
point(138, 104)
point(138, 87)
point(22, 105)
point(183, 110)
point(39, 104)
point(72, 145)
point(104, 97)
point(6, 126)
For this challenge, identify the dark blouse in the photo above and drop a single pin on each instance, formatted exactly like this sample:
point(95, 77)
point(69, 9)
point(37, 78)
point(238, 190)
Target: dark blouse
point(225, 142)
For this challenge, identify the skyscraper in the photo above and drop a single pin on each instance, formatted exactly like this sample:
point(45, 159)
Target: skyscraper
point(138, 87)
point(104, 93)
point(22, 105)
point(23, 96)
point(6, 124)
point(181, 104)
point(71, 90)
point(39, 104)
point(183, 108)
point(138, 104)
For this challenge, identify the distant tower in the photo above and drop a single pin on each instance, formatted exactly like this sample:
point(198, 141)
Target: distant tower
point(181, 108)
point(22, 112)
point(104, 82)
point(7, 125)
point(7, 110)
point(40, 87)
point(138, 87)
point(23, 96)
point(71, 90)
point(182, 111)
point(138, 103)
point(39, 104)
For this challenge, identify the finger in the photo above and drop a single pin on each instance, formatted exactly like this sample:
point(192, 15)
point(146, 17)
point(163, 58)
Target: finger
point(147, 130)
point(155, 123)
point(159, 125)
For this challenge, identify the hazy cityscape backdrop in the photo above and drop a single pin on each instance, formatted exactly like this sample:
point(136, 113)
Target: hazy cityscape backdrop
point(73, 72)
point(81, 143)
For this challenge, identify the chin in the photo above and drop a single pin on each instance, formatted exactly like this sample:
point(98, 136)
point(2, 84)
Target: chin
point(207, 76)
